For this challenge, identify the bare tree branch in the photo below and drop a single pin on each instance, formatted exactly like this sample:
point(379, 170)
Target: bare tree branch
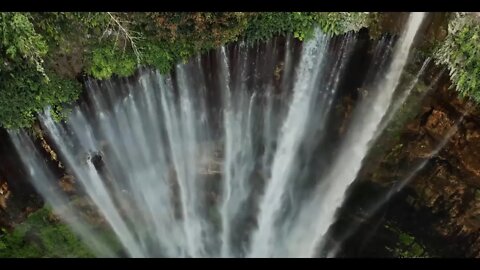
point(128, 36)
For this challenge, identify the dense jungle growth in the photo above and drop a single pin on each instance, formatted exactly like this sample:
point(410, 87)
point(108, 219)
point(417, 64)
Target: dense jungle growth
point(47, 56)
point(44, 54)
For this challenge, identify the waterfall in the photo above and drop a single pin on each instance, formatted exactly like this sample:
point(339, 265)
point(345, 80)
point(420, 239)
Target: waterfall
point(293, 128)
point(310, 229)
point(226, 156)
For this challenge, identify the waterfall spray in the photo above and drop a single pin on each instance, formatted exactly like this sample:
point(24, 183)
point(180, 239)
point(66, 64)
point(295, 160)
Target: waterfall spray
point(213, 162)
point(330, 193)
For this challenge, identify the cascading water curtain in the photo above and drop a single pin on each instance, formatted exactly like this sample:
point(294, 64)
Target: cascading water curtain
point(218, 158)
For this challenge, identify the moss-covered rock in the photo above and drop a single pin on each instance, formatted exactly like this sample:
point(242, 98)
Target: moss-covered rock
point(42, 235)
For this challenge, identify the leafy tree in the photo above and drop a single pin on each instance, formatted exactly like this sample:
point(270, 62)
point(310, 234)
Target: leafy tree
point(38, 48)
point(460, 52)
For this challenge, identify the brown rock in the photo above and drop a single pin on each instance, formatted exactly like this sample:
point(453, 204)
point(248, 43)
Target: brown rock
point(438, 124)
point(67, 183)
point(4, 195)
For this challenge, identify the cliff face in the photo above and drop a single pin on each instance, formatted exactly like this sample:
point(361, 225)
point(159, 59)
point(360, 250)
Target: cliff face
point(17, 196)
point(451, 185)
point(422, 174)
point(425, 177)
point(438, 198)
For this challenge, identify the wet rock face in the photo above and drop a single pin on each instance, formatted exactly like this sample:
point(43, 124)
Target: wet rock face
point(4, 195)
point(438, 124)
point(448, 185)
point(469, 151)
point(17, 196)
point(67, 184)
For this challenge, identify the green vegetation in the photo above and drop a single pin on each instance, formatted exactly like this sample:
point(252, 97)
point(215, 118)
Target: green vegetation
point(41, 236)
point(266, 25)
point(44, 53)
point(460, 52)
point(406, 246)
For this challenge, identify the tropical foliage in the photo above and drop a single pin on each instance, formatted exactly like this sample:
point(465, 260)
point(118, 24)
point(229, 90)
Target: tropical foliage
point(460, 52)
point(42, 235)
point(44, 53)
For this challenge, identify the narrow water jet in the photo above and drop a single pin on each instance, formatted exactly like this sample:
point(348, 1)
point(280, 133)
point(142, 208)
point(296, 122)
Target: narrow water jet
point(400, 100)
